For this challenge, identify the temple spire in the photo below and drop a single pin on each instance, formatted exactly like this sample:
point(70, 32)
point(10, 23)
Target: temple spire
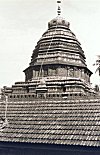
point(59, 8)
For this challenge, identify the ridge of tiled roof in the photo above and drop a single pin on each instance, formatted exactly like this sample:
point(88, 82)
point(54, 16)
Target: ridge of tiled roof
point(69, 122)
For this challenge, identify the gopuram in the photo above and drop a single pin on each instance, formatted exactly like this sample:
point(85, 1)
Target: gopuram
point(55, 110)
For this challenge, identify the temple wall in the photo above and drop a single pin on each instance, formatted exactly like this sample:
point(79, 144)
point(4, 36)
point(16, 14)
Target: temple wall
point(62, 71)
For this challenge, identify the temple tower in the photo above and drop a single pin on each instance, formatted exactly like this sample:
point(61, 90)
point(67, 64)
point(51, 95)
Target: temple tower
point(58, 66)
point(58, 57)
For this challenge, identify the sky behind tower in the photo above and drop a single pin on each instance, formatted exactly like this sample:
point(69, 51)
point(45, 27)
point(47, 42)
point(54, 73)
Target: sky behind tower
point(24, 21)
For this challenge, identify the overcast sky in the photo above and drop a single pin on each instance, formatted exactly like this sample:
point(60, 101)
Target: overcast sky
point(22, 23)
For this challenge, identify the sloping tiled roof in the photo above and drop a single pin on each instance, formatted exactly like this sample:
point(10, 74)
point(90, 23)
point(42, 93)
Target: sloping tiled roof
point(70, 122)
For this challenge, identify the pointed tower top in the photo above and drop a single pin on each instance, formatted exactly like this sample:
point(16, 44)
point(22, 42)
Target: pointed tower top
point(59, 8)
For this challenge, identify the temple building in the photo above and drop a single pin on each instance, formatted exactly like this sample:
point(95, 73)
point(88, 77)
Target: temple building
point(57, 62)
point(55, 110)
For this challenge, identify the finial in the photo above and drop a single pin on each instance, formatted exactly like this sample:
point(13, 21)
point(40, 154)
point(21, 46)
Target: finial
point(59, 8)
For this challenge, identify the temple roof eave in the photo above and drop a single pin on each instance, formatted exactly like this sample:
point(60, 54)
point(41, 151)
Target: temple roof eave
point(59, 63)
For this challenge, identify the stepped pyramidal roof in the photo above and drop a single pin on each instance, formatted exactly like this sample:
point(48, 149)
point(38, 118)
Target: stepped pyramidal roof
point(55, 104)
